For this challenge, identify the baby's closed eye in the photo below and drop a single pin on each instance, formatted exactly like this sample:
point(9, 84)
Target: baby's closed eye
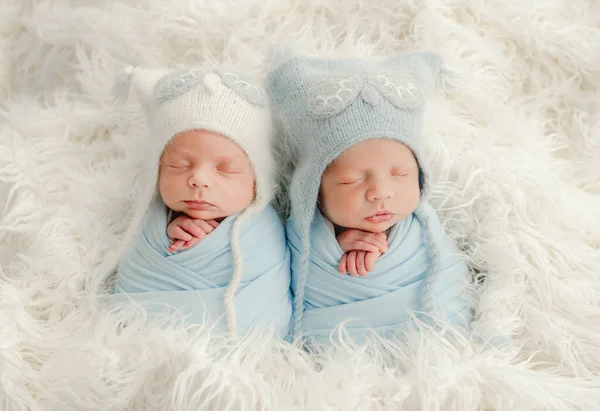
point(230, 168)
point(400, 172)
point(350, 180)
point(181, 164)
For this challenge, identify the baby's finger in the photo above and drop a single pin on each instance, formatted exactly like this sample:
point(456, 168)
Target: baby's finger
point(213, 223)
point(367, 236)
point(352, 234)
point(351, 262)
point(343, 267)
point(381, 244)
point(175, 245)
point(177, 233)
point(370, 261)
point(364, 246)
point(180, 219)
point(381, 236)
point(360, 263)
point(191, 227)
point(207, 228)
point(192, 242)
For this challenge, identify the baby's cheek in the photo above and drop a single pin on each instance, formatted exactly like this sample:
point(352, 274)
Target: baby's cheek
point(163, 185)
point(249, 191)
point(241, 194)
point(169, 191)
point(410, 199)
point(337, 205)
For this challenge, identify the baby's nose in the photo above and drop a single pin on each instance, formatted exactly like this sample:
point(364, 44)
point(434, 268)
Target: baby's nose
point(379, 192)
point(200, 178)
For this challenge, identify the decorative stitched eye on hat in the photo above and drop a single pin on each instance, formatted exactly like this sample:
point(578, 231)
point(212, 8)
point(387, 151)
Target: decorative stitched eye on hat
point(330, 94)
point(181, 81)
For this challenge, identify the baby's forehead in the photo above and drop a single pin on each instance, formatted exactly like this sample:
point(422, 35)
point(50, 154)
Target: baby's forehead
point(396, 154)
point(203, 146)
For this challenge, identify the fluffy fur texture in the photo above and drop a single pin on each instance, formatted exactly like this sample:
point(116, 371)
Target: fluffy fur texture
point(513, 153)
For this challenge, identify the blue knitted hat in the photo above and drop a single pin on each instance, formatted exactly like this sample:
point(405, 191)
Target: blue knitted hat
point(328, 105)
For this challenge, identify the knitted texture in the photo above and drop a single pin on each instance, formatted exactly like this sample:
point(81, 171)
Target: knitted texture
point(236, 279)
point(214, 100)
point(328, 105)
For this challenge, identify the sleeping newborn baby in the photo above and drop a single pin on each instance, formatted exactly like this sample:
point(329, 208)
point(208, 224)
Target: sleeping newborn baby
point(367, 190)
point(209, 244)
point(203, 178)
point(358, 198)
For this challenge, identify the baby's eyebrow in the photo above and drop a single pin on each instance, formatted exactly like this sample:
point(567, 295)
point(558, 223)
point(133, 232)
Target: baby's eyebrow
point(178, 152)
point(404, 166)
point(348, 173)
point(226, 159)
point(231, 157)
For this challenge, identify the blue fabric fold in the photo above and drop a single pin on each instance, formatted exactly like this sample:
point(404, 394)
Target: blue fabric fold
point(194, 280)
point(388, 298)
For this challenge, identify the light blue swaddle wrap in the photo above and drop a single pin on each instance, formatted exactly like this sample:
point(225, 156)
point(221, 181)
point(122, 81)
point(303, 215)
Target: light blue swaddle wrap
point(325, 107)
point(194, 280)
point(387, 298)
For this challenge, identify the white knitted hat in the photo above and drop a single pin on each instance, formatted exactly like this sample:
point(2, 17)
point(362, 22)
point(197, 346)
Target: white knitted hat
point(213, 100)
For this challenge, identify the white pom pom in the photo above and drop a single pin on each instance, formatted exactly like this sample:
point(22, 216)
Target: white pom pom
point(211, 82)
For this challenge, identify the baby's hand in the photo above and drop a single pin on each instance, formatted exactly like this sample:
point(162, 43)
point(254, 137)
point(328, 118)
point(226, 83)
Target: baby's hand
point(186, 232)
point(358, 262)
point(358, 240)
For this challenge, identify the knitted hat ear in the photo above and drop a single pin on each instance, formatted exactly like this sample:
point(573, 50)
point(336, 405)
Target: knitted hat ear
point(143, 82)
point(424, 67)
point(276, 54)
point(122, 85)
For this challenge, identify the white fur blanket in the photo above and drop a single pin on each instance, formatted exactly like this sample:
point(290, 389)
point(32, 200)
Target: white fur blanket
point(514, 155)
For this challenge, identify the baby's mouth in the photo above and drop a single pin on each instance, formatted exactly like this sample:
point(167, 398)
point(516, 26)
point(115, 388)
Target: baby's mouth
point(380, 217)
point(199, 205)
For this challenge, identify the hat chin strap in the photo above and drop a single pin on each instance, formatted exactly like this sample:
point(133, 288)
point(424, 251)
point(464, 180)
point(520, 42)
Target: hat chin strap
point(238, 267)
point(428, 295)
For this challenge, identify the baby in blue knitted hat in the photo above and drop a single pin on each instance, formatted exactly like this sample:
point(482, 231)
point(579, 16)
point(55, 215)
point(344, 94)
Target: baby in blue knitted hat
point(358, 197)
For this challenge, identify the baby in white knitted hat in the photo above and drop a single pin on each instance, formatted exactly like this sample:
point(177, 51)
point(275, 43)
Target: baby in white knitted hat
point(209, 243)
point(203, 178)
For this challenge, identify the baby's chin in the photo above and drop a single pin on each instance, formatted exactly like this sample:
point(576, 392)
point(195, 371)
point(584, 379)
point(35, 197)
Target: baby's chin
point(376, 227)
point(206, 214)
point(365, 225)
point(214, 213)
